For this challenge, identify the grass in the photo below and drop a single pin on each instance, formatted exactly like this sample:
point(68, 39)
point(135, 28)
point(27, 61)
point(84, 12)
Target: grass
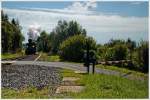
point(106, 86)
point(52, 58)
point(27, 93)
point(96, 86)
point(10, 55)
point(123, 70)
point(68, 72)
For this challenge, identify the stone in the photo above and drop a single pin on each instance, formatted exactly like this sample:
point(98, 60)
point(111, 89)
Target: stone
point(80, 72)
point(70, 79)
point(21, 76)
point(65, 89)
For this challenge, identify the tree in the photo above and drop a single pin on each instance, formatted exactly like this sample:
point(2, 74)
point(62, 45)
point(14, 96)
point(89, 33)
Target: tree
point(72, 49)
point(114, 50)
point(11, 35)
point(63, 31)
point(131, 45)
point(144, 51)
point(43, 42)
point(109, 54)
point(4, 16)
point(17, 35)
point(101, 51)
point(6, 36)
point(13, 22)
point(142, 57)
point(112, 42)
point(120, 52)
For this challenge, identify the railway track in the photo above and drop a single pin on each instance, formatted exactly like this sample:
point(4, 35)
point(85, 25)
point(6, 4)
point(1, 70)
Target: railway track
point(29, 58)
point(24, 58)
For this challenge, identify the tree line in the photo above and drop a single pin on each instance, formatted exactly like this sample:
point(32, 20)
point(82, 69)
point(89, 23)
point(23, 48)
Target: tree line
point(69, 41)
point(138, 54)
point(12, 37)
point(62, 31)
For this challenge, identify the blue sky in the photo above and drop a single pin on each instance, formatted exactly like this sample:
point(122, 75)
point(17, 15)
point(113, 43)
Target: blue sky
point(103, 20)
point(123, 8)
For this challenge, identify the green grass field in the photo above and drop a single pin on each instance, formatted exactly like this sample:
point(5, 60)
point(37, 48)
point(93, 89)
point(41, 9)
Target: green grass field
point(106, 86)
point(123, 70)
point(9, 55)
point(96, 86)
point(27, 93)
point(52, 58)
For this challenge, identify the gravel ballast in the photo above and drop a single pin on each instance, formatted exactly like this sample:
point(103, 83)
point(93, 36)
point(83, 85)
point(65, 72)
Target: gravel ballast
point(21, 76)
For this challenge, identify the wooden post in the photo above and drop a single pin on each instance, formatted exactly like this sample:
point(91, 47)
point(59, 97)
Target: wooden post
point(93, 67)
point(87, 59)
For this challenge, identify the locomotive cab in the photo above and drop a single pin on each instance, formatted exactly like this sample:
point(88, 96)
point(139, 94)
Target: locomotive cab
point(30, 47)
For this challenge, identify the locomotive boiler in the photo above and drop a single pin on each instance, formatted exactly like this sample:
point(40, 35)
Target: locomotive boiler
point(30, 47)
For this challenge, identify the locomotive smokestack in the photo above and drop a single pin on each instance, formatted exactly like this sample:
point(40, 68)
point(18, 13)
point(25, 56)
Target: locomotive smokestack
point(33, 31)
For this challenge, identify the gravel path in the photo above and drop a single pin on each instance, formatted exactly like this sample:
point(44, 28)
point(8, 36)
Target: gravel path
point(78, 67)
point(20, 76)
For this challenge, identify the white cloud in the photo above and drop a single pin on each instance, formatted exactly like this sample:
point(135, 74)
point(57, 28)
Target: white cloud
point(84, 7)
point(136, 2)
point(91, 4)
point(100, 26)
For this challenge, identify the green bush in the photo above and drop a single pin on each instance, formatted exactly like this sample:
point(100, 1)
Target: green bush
point(140, 57)
point(126, 50)
point(109, 55)
point(73, 48)
point(118, 52)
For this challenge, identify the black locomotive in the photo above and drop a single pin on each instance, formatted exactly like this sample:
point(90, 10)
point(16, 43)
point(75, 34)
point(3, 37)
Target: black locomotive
point(30, 47)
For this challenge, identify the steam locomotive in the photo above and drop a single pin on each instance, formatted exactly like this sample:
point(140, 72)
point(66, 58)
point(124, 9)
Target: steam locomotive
point(30, 47)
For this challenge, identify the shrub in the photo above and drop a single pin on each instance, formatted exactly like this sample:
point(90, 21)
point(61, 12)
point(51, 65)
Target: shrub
point(140, 57)
point(109, 55)
point(73, 48)
point(118, 52)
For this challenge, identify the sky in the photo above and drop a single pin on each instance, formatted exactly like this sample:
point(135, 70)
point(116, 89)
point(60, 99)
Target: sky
point(103, 20)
